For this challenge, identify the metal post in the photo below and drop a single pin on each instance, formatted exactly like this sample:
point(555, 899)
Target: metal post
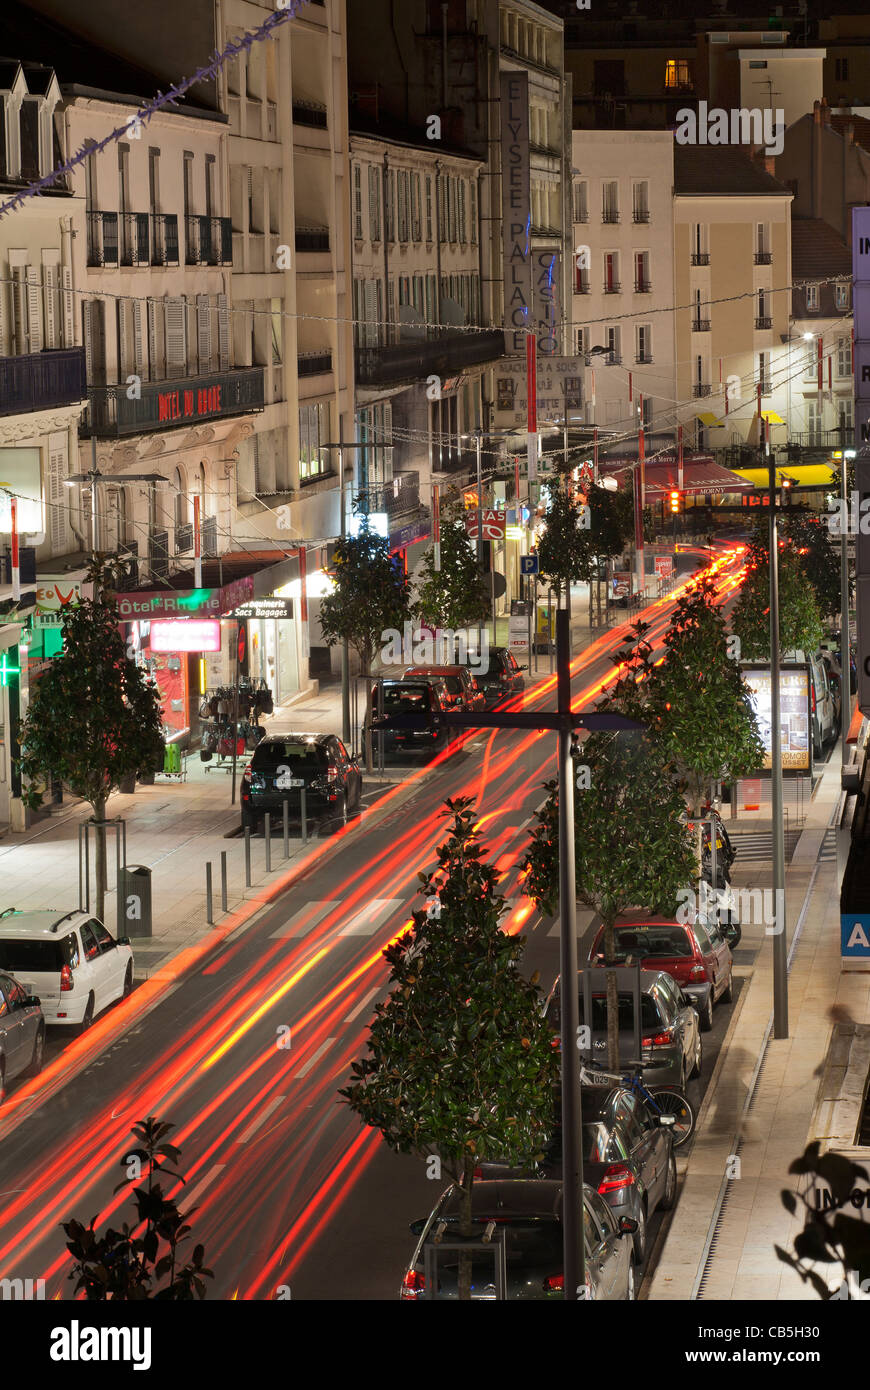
point(714, 863)
point(780, 946)
point(224, 880)
point(267, 830)
point(304, 812)
point(550, 625)
point(535, 621)
point(236, 711)
point(286, 810)
point(572, 1154)
point(845, 647)
point(247, 856)
point(345, 660)
point(209, 911)
point(87, 870)
point(479, 537)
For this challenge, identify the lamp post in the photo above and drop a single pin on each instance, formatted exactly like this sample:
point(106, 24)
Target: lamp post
point(845, 645)
point(780, 947)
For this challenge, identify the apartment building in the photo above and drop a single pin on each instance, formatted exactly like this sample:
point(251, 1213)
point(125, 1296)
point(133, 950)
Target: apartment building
point(623, 285)
point(42, 390)
point(820, 406)
point(826, 163)
point(732, 264)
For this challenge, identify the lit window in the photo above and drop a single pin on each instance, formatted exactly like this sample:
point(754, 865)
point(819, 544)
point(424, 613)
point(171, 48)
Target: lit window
point(677, 74)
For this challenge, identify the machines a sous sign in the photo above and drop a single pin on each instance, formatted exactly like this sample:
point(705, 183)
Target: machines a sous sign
point(189, 405)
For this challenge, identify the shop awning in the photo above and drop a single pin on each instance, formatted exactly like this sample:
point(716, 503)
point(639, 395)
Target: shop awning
point(803, 474)
point(701, 474)
point(772, 416)
point(707, 418)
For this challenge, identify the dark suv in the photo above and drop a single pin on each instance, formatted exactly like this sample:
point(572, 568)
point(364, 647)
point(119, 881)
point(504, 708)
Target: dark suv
point(283, 764)
point(413, 714)
point(503, 678)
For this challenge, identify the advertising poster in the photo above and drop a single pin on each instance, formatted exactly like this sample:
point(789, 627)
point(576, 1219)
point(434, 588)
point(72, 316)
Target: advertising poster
point(794, 706)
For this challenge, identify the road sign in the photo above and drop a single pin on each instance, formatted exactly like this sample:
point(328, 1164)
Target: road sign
point(528, 564)
point(492, 522)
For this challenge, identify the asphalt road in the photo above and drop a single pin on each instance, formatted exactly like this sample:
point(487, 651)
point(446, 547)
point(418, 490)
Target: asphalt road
point(243, 1042)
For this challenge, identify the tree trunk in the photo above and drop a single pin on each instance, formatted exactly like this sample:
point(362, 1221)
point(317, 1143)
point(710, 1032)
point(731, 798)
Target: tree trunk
point(99, 808)
point(466, 1229)
point(612, 1001)
point(368, 726)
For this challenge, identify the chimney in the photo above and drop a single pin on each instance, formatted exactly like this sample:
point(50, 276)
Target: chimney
point(816, 162)
point(850, 134)
point(826, 111)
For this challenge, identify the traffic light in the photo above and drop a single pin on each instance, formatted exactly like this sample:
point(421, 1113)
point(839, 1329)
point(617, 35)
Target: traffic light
point(675, 502)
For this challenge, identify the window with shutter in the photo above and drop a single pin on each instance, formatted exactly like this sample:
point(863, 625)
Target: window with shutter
point(371, 326)
point(34, 310)
point(374, 203)
point(461, 187)
point(124, 334)
point(19, 309)
point(176, 337)
point(140, 362)
point(66, 296)
point(58, 524)
point(4, 313)
point(49, 303)
point(203, 332)
point(223, 333)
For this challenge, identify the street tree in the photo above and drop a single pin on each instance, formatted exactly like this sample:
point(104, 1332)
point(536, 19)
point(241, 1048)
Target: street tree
point(563, 551)
point(370, 595)
point(126, 1264)
point(800, 625)
point(632, 847)
point(460, 1061)
point(819, 558)
point(611, 523)
point(94, 715)
point(453, 596)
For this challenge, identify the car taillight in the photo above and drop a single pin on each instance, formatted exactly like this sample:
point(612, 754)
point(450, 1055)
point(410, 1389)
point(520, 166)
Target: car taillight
point(660, 1039)
point(698, 972)
point(813, 694)
point(554, 1283)
point(66, 980)
point(413, 1284)
point(332, 773)
point(616, 1176)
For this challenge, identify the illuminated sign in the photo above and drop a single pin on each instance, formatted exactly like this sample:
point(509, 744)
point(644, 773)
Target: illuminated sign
point(186, 635)
point(516, 206)
point(265, 608)
point(794, 714)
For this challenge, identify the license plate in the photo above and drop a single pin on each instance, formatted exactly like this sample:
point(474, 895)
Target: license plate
point(297, 781)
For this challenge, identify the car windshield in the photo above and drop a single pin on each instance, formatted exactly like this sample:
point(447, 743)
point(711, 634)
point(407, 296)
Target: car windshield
point(534, 1243)
point(652, 941)
point(405, 699)
point(270, 755)
point(649, 1015)
point(20, 956)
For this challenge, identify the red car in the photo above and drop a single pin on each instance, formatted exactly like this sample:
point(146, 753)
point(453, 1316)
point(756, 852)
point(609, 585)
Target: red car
point(696, 955)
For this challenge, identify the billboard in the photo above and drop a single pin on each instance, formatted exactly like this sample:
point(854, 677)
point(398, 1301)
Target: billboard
point(794, 714)
point(186, 635)
point(516, 207)
point(559, 388)
point(546, 270)
point(20, 475)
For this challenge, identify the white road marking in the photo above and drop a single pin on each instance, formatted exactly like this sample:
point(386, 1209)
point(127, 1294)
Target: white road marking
point(189, 1199)
point(315, 1057)
point(261, 1119)
point(369, 918)
point(302, 922)
point(361, 1005)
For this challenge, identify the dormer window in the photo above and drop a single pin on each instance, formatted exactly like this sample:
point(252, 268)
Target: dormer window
point(842, 296)
point(29, 104)
point(812, 293)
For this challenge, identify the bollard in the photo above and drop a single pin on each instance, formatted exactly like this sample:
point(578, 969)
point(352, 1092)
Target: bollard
point(223, 880)
point(209, 914)
point(267, 830)
point(247, 856)
point(304, 816)
point(286, 829)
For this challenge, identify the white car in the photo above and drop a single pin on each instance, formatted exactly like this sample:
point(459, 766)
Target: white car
point(68, 960)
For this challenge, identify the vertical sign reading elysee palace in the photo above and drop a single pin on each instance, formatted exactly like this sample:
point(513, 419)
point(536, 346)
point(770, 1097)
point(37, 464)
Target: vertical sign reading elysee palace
point(516, 209)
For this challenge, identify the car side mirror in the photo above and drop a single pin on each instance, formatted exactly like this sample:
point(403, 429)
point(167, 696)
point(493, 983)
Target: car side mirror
point(30, 1001)
point(123, 941)
point(627, 1225)
point(732, 933)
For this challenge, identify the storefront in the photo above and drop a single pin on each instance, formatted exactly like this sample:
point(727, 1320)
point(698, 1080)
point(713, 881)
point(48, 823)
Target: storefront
point(272, 645)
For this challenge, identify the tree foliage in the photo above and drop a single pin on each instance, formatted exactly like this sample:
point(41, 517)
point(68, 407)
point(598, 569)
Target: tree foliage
point(800, 625)
point(830, 1235)
point(370, 595)
point(121, 1265)
point(461, 1062)
point(819, 559)
point(453, 596)
point(562, 552)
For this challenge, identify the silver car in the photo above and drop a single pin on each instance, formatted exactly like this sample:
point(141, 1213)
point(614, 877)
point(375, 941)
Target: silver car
point(22, 1033)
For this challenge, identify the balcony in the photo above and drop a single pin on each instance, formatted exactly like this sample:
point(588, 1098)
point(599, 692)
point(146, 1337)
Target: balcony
point(582, 287)
point(209, 240)
point(583, 217)
point(184, 538)
point(842, 438)
point(763, 258)
point(700, 325)
point(701, 388)
point(102, 238)
point(614, 287)
point(312, 238)
point(448, 355)
point(643, 286)
point(42, 380)
point(135, 247)
point(314, 363)
point(310, 113)
point(164, 238)
point(700, 258)
point(609, 215)
point(640, 215)
point(762, 322)
point(173, 404)
point(643, 359)
point(396, 498)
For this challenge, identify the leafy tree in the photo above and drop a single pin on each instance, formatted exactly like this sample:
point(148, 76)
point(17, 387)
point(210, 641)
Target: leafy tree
point(800, 625)
point(611, 525)
point(93, 717)
point(453, 596)
point(124, 1265)
point(631, 847)
point(819, 559)
point(461, 1062)
point(563, 553)
point(370, 596)
point(829, 1235)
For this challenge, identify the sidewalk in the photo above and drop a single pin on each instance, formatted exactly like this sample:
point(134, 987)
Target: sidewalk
point(720, 1244)
point(175, 828)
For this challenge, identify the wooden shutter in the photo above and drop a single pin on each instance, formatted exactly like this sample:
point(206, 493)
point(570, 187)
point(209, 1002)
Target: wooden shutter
point(203, 331)
point(140, 362)
point(4, 316)
point(176, 350)
point(223, 333)
point(19, 310)
point(124, 319)
point(69, 329)
point(88, 339)
point(49, 300)
point(371, 313)
point(153, 361)
point(34, 310)
point(58, 503)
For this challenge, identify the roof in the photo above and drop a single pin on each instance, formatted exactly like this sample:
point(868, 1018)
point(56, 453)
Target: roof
point(860, 124)
point(721, 170)
point(366, 126)
point(817, 249)
point(36, 921)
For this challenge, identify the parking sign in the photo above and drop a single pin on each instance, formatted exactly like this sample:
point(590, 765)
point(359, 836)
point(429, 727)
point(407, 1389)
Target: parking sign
point(528, 564)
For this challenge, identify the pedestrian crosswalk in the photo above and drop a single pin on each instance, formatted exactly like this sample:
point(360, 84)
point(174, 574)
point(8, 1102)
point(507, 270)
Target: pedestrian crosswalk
point(750, 846)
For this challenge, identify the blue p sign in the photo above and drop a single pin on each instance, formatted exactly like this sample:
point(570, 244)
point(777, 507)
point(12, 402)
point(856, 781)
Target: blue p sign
point(528, 564)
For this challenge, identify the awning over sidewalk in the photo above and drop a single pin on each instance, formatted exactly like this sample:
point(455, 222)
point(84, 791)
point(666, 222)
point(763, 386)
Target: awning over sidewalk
point(701, 474)
point(804, 474)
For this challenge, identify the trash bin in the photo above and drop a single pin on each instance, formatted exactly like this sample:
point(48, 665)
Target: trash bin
point(134, 901)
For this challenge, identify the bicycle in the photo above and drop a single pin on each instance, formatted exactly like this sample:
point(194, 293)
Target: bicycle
point(663, 1100)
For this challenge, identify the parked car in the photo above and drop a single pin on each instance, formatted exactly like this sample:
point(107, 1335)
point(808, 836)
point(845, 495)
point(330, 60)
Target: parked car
point(22, 1033)
point(824, 723)
point(671, 1049)
point(697, 956)
point(69, 961)
point(835, 680)
point(282, 764)
point(529, 1214)
point(463, 691)
point(413, 714)
point(628, 1156)
point(503, 677)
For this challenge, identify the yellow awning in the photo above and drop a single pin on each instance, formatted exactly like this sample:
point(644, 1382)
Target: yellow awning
point(804, 474)
point(772, 416)
point(707, 419)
